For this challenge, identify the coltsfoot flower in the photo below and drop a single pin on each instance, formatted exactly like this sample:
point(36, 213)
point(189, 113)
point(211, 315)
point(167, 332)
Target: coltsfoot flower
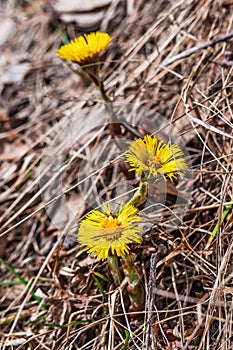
point(151, 157)
point(105, 232)
point(85, 49)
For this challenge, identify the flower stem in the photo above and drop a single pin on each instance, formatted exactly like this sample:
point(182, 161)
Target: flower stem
point(114, 269)
point(135, 286)
point(140, 196)
point(114, 125)
point(93, 73)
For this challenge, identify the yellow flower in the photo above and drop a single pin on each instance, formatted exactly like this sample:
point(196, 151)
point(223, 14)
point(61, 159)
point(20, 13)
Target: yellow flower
point(85, 49)
point(151, 157)
point(105, 231)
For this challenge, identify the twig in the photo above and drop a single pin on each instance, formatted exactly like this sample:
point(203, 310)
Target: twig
point(195, 49)
point(149, 303)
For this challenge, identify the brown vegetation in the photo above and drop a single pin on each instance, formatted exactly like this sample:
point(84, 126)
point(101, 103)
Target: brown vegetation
point(169, 75)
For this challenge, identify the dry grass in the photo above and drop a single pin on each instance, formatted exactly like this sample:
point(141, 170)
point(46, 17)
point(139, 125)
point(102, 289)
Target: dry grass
point(53, 134)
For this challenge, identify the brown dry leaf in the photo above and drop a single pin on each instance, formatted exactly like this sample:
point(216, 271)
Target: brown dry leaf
point(16, 292)
point(13, 153)
point(3, 243)
point(222, 62)
point(227, 2)
point(169, 336)
point(61, 121)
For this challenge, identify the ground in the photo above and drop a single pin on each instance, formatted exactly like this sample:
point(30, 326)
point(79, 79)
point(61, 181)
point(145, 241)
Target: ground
point(168, 73)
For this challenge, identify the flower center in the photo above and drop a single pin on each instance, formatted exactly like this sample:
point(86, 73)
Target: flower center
point(112, 226)
point(154, 162)
point(111, 222)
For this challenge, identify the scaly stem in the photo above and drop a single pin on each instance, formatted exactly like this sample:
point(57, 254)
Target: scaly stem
point(114, 269)
point(140, 196)
point(135, 286)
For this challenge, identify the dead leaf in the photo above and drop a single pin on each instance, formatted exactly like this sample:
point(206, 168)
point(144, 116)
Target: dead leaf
point(14, 153)
point(66, 209)
point(222, 62)
point(7, 28)
point(80, 6)
point(87, 14)
point(12, 68)
point(85, 20)
point(3, 243)
point(7, 170)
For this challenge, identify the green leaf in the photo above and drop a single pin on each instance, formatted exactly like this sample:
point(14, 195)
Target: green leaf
point(224, 215)
point(100, 287)
point(22, 281)
point(127, 338)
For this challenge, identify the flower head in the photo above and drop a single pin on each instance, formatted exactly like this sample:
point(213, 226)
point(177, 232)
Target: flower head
point(152, 157)
point(105, 231)
point(85, 49)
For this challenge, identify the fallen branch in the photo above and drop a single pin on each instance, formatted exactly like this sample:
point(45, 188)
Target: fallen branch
point(195, 49)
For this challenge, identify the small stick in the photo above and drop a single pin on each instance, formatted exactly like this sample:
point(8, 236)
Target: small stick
point(197, 48)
